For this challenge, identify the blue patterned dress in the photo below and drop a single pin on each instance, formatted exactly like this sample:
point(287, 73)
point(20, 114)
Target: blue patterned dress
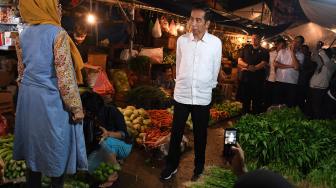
point(44, 135)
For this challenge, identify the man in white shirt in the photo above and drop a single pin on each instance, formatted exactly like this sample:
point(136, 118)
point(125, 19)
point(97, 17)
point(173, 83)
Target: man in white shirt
point(287, 74)
point(269, 93)
point(319, 82)
point(198, 58)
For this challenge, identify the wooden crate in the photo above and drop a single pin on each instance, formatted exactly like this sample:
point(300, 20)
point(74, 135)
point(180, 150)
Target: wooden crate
point(98, 59)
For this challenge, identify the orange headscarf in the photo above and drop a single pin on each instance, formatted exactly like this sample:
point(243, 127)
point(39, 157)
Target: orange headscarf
point(46, 12)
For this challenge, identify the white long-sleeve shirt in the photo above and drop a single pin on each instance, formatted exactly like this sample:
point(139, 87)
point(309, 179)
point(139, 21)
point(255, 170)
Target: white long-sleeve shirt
point(197, 68)
point(289, 75)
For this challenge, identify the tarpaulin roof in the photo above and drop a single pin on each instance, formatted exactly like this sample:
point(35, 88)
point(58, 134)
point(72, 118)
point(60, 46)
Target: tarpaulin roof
point(312, 33)
point(183, 7)
point(322, 12)
point(233, 5)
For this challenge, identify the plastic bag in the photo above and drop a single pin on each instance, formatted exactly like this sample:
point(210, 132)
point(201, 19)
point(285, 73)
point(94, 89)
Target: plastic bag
point(163, 144)
point(125, 54)
point(173, 28)
point(103, 85)
point(164, 24)
point(155, 54)
point(156, 31)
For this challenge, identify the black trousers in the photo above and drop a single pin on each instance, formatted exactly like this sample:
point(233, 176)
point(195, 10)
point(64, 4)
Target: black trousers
point(252, 92)
point(286, 94)
point(302, 97)
point(330, 106)
point(34, 180)
point(269, 94)
point(316, 103)
point(200, 118)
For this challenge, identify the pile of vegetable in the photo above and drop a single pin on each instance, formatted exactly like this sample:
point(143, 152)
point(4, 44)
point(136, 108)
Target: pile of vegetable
point(105, 171)
point(161, 124)
point(233, 108)
point(13, 169)
point(153, 136)
point(285, 141)
point(120, 80)
point(148, 97)
point(75, 184)
point(140, 65)
point(160, 118)
point(214, 177)
point(217, 115)
point(137, 121)
point(71, 181)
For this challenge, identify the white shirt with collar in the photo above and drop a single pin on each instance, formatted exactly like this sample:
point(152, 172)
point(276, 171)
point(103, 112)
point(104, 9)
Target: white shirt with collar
point(289, 75)
point(197, 68)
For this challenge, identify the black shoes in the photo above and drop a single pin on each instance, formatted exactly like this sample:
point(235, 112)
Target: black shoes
point(197, 174)
point(195, 177)
point(167, 173)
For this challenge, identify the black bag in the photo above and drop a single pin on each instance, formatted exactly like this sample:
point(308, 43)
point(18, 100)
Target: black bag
point(92, 132)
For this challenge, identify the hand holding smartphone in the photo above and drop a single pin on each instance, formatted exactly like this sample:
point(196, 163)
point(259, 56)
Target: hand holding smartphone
point(230, 139)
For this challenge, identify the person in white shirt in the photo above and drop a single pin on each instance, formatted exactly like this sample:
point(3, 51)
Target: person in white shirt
point(287, 74)
point(269, 93)
point(198, 59)
point(319, 83)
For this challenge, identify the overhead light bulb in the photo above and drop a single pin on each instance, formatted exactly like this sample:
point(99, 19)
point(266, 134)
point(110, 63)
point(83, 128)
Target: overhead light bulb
point(91, 19)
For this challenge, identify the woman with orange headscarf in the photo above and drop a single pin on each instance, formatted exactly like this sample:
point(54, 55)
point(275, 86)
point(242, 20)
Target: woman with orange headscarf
point(48, 126)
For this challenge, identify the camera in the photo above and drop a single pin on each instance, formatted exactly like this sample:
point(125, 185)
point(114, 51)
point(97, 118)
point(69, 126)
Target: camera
point(230, 139)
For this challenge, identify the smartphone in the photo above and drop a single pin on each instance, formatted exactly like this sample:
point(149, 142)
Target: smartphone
point(230, 139)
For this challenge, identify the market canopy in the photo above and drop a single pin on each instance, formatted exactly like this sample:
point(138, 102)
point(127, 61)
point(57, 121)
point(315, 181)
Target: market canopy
point(225, 18)
point(322, 12)
point(312, 33)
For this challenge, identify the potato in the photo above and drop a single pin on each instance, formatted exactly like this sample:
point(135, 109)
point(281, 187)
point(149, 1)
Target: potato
point(139, 141)
point(136, 112)
point(142, 112)
point(128, 123)
point(142, 135)
point(127, 118)
point(128, 113)
point(146, 121)
point(137, 120)
point(142, 129)
point(130, 108)
point(136, 126)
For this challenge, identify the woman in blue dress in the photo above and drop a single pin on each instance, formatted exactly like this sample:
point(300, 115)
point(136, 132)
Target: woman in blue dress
point(48, 126)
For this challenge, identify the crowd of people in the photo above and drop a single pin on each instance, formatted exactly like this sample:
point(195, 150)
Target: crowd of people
point(287, 74)
point(49, 116)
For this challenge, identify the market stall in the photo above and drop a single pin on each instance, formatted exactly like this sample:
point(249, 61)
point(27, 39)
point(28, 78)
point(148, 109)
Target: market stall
point(131, 65)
